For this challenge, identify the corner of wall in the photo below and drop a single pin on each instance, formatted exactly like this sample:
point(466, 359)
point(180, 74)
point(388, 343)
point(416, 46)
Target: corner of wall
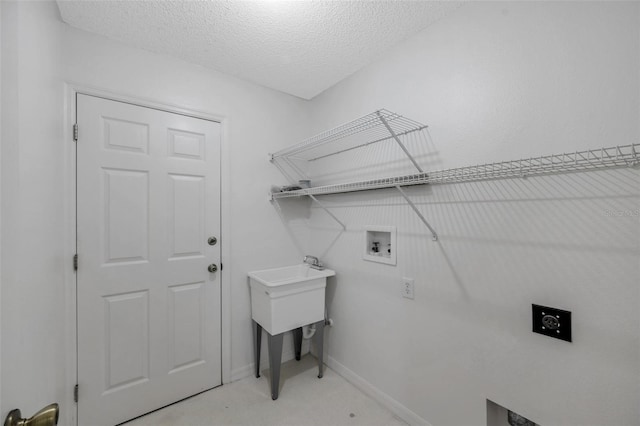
point(1, 26)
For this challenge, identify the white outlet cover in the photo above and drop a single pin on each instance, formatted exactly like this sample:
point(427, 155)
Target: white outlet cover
point(408, 288)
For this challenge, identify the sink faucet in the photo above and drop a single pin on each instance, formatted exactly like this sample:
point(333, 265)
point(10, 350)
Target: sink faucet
point(313, 262)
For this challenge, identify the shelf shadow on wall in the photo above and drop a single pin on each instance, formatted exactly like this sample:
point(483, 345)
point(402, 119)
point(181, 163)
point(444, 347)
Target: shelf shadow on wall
point(375, 160)
point(292, 210)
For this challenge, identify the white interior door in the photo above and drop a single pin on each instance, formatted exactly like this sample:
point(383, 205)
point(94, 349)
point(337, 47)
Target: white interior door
point(148, 199)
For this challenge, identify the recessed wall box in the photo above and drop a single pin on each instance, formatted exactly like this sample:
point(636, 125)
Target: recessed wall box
point(380, 244)
point(497, 415)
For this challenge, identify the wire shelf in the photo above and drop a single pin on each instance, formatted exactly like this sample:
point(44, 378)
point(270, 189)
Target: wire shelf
point(383, 125)
point(363, 131)
point(379, 126)
point(616, 156)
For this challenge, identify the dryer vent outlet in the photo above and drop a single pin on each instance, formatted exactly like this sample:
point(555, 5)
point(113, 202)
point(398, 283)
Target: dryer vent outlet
point(551, 322)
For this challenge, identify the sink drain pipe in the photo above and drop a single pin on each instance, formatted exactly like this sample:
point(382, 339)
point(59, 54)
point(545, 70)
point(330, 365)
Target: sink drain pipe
point(309, 330)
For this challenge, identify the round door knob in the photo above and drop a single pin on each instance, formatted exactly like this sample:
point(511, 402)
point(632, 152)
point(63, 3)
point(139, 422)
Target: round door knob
point(212, 241)
point(213, 267)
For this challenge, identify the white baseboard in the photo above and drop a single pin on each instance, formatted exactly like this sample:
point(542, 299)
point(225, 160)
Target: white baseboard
point(241, 373)
point(394, 406)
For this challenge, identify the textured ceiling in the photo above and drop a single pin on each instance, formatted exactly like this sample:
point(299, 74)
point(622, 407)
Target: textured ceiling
point(297, 47)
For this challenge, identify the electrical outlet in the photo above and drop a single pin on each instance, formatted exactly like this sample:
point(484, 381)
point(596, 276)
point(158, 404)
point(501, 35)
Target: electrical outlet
point(407, 287)
point(551, 322)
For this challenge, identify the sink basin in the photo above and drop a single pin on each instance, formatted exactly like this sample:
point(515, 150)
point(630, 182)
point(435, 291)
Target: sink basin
point(286, 298)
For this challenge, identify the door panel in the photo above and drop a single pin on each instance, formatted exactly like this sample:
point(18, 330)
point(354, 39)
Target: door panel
point(126, 216)
point(148, 309)
point(186, 145)
point(186, 215)
point(186, 325)
point(126, 340)
point(126, 135)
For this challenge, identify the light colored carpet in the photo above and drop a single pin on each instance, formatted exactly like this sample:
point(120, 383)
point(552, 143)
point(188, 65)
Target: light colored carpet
point(304, 400)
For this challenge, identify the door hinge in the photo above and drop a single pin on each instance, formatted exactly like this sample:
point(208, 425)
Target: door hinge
point(221, 266)
point(75, 132)
point(75, 393)
point(75, 262)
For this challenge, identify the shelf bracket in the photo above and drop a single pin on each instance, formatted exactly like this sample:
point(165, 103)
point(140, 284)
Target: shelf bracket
point(328, 212)
point(393, 134)
point(434, 236)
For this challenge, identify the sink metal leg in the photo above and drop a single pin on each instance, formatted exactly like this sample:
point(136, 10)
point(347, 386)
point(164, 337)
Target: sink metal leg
point(275, 358)
point(318, 339)
point(257, 341)
point(297, 342)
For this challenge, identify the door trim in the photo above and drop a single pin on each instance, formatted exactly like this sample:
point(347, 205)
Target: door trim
point(71, 331)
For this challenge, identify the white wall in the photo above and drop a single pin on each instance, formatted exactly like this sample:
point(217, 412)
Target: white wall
point(494, 81)
point(498, 81)
point(32, 269)
point(39, 54)
point(1, 97)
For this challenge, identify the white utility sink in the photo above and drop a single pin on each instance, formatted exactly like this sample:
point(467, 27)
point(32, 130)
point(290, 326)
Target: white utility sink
point(286, 298)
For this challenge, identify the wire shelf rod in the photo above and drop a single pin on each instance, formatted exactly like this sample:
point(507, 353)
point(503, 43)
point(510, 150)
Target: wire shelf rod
point(404, 148)
point(369, 123)
point(356, 138)
point(385, 137)
point(434, 235)
point(597, 159)
point(283, 171)
point(416, 179)
point(295, 168)
point(344, 227)
point(345, 130)
point(557, 163)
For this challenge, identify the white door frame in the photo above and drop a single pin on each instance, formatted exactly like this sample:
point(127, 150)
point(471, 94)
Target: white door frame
point(69, 416)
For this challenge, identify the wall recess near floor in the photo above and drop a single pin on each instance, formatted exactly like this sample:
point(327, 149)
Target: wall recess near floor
point(497, 415)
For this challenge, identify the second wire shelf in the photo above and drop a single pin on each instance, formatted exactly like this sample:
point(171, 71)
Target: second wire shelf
point(615, 156)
